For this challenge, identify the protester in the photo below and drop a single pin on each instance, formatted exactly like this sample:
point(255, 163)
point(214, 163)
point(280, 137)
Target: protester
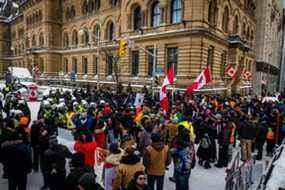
point(156, 158)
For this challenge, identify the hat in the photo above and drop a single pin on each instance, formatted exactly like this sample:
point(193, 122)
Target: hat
point(87, 181)
point(155, 137)
point(114, 148)
point(24, 121)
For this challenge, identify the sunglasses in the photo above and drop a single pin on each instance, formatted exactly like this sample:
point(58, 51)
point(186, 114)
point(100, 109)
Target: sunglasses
point(141, 178)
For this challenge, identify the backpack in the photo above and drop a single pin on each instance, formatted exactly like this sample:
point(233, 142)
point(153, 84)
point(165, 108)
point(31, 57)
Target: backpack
point(205, 142)
point(270, 134)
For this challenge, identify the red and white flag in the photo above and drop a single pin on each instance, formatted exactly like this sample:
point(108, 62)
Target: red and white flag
point(230, 71)
point(168, 80)
point(203, 79)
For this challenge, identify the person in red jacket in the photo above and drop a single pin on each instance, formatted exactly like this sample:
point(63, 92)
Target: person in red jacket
point(88, 147)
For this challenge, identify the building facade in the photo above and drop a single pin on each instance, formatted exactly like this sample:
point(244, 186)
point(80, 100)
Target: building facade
point(269, 47)
point(81, 36)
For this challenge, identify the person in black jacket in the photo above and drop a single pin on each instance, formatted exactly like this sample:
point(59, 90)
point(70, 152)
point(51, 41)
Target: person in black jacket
point(17, 156)
point(247, 135)
point(35, 142)
point(77, 169)
point(55, 160)
point(261, 137)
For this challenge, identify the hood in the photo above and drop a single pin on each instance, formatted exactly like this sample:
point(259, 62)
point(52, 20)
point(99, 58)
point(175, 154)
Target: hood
point(114, 158)
point(158, 146)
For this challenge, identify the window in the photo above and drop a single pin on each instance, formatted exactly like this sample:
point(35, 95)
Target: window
point(176, 11)
point(224, 57)
point(27, 43)
point(236, 25)
point(212, 13)
point(72, 12)
point(41, 40)
point(74, 38)
point(97, 5)
point(172, 59)
point(74, 65)
point(226, 20)
point(135, 63)
point(210, 58)
point(41, 65)
point(137, 18)
point(155, 15)
point(97, 32)
point(65, 40)
point(95, 64)
point(85, 37)
point(243, 29)
point(110, 31)
point(85, 7)
point(84, 65)
point(109, 64)
point(113, 3)
point(65, 69)
point(150, 62)
point(34, 41)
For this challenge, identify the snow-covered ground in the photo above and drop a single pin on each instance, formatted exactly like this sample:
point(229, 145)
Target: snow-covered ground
point(201, 179)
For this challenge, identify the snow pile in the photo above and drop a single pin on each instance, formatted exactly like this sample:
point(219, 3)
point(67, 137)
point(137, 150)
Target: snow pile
point(277, 179)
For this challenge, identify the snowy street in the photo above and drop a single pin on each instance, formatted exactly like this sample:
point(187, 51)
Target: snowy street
point(211, 179)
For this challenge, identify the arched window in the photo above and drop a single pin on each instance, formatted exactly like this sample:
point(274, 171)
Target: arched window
point(67, 13)
point(41, 40)
point(41, 65)
point(236, 25)
point(176, 11)
point(27, 43)
point(84, 7)
point(84, 65)
point(72, 11)
point(97, 32)
point(225, 25)
point(74, 65)
point(248, 33)
point(113, 3)
point(155, 14)
point(137, 18)
point(84, 37)
point(91, 7)
point(65, 40)
point(65, 66)
point(111, 31)
point(97, 5)
point(212, 13)
point(34, 41)
point(243, 29)
point(74, 38)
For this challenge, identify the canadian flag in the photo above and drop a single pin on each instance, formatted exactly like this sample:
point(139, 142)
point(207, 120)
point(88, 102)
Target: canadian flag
point(168, 80)
point(230, 71)
point(203, 79)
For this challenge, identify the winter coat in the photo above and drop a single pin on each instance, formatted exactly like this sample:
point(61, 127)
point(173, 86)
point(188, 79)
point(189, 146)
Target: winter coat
point(156, 158)
point(132, 186)
point(183, 158)
point(261, 132)
point(125, 173)
point(88, 149)
point(111, 163)
point(71, 182)
point(248, 130)
point(204, 151)
point(55, 158)
point(17, 156)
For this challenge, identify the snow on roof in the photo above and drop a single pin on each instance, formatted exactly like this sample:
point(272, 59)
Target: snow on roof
point(20, 72)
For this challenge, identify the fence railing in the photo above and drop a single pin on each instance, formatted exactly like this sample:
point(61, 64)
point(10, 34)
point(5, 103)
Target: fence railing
point(267, 174)
point(239, 175)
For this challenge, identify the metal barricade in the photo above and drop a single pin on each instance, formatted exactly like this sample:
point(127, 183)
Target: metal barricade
point(239, 175)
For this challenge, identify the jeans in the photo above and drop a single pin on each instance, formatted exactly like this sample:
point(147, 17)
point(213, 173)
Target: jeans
point(151, 179)
point(181, 181)
point(246, 149)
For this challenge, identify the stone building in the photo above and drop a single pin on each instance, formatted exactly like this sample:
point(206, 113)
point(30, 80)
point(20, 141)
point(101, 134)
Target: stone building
point(82, 36)
point(269, 45)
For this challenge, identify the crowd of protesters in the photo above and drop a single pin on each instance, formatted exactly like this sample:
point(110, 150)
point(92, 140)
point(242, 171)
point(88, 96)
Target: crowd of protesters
point(132, 140)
